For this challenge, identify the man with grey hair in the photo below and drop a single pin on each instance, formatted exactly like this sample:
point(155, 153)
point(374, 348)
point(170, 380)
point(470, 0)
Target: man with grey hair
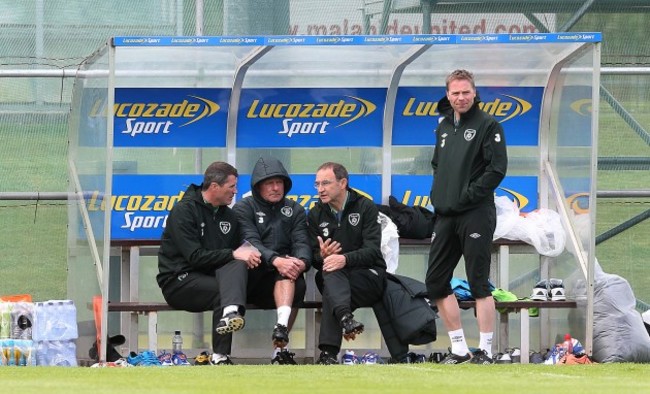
point(346, 242)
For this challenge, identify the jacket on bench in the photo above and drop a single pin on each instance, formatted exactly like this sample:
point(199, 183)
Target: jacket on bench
point(405, 316)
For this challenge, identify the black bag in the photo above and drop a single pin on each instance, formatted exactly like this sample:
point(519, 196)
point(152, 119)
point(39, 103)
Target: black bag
point(111, 353)
point(412, 222)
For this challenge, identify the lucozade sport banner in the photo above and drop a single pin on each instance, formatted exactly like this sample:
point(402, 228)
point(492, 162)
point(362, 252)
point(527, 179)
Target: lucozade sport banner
point(516, 108)
point(170, 117)
point(310, 117)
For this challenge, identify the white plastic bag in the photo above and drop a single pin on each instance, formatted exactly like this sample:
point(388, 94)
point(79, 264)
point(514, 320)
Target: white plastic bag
point(541, 228)
point(389, 243)
point(507, 216)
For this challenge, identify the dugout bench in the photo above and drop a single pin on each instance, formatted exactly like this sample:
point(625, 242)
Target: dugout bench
point(131, 307)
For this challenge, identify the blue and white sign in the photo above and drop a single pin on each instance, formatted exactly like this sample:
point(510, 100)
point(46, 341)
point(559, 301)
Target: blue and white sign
point(416, 189)
point(140, 204)
point(170, 117)
point(517, 109)
point(310, 117)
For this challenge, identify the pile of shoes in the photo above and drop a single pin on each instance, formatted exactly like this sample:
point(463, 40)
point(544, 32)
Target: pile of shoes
point(369, 358)
point(510, 356)
point(549, 290)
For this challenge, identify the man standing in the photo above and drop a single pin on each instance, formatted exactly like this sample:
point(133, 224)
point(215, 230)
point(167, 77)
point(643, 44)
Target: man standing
point(346, 242)
point(201, 264)
point(469, 162)
point(277, 227)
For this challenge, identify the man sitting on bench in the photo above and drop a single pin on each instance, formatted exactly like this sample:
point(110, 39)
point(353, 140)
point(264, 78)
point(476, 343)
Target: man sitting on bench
point(201, 265)
point(346, 243)
point(277, 227)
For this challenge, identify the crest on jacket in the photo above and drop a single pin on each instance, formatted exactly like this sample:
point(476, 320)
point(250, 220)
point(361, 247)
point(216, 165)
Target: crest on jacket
point(469, 134)
point(287, 211)
point(225, 227)
point(354, 218)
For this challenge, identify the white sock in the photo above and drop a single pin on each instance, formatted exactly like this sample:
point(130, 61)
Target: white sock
point(230, 308)
point(284, 312)
point(458, 343)
point(485, 343)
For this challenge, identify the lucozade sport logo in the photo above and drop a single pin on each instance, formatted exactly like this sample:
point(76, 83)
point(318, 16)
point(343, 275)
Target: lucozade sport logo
point(312, 118)
point(503, 109)
point(166, 117)
point(149, 211)
point(137, 114)
point(516, 108)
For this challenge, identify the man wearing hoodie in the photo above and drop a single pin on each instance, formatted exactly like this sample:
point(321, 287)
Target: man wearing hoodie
point(346, 242)
point(201, 265)
point(277, 227)
point(469, 161)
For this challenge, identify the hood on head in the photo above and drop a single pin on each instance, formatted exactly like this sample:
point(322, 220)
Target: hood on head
point(269, 167)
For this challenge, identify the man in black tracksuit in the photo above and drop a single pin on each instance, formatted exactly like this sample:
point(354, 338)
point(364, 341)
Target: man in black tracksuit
point(469, 162)
point(277, 227)
point(346, 242)
point(201, 266)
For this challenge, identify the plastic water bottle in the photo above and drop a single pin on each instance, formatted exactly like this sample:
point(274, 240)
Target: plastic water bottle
point(177, 342)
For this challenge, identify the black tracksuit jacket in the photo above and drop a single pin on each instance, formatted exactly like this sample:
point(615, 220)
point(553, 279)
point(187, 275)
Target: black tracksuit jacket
point(469, 160)
point(359, 232)
point(196, 238)
point(275, 229)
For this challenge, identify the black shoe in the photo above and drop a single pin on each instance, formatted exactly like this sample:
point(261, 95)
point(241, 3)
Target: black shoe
point(350, 327)
point(452, 358)
point(436, 357)
point(326, 359)
point(480, 357)
point(230, 323)
point(284, 357)
point(280, 336)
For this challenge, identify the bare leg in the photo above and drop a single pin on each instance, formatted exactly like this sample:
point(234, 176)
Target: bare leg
point(485, 312)
point(449, 311)
point(283, 293)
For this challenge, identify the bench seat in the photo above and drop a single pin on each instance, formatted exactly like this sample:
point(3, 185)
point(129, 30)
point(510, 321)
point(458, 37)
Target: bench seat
point(151, 309)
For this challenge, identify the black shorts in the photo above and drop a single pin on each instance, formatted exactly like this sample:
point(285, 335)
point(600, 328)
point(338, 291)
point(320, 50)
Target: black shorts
point(468, 235)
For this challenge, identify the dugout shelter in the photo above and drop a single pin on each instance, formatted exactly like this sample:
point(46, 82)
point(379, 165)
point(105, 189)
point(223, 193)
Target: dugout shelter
point(150, 113)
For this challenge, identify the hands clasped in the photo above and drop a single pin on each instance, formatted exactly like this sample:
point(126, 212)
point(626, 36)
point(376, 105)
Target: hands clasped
point(289, 267)
point(329, 250)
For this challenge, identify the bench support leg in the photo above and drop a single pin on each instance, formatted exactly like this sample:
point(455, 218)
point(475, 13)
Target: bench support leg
point(502, 340)
point(525, 336)
point(153, 332)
